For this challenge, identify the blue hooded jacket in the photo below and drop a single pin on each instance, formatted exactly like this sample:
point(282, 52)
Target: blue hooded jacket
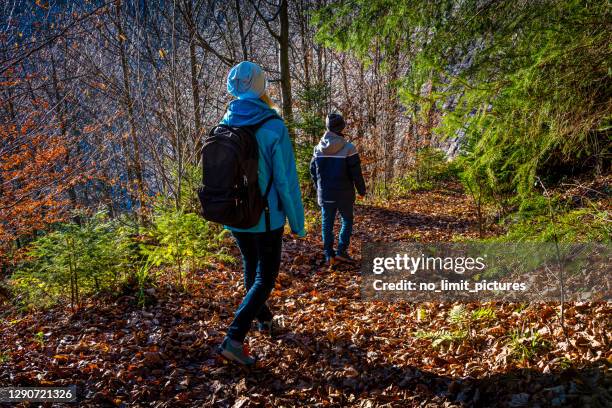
point(275, 155)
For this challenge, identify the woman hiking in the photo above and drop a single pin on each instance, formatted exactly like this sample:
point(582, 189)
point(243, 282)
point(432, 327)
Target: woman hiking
point(261, 247)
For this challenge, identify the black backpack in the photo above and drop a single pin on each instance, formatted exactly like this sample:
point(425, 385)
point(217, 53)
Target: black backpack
point(230, 192)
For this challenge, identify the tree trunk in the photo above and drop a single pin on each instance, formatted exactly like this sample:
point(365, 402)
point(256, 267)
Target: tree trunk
point(390, 126)
point(179, 126)
point(136, 163)
point(285, 68)
point(61, 114)
point(243, 40)
point(304, 42)
point(195, 93)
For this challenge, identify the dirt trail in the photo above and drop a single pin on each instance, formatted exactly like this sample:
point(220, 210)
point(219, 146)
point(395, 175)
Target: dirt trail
point(333, 348)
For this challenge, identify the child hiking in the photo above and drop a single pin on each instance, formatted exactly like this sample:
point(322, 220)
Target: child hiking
point(255, 209)
point(335, 169)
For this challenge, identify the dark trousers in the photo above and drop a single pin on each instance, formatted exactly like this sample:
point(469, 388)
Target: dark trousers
point(261, 255)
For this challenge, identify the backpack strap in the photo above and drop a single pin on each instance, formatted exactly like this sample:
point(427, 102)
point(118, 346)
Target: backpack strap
point(267, 207)
point(253, 129)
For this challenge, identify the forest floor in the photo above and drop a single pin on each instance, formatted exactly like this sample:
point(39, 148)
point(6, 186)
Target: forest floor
point(333, 349)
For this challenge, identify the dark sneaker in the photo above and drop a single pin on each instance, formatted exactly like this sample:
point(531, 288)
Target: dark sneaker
point(344, 257)
point(331, 262)
point(238, 354)
point(267, 327)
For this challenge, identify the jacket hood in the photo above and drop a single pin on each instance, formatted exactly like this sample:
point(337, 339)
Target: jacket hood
point(330, 143)
point(245, 112)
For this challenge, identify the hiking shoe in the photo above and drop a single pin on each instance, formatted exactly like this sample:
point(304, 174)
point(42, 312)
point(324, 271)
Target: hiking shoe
point(239, 354)
point(266, 327)
point(344, 257)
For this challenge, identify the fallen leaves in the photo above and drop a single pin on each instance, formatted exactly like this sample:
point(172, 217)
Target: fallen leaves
point(333, 349)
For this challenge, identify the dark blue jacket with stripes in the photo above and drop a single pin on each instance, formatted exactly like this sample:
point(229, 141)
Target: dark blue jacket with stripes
point(336, 170)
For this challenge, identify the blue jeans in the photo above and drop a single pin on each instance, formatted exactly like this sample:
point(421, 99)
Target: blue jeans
point(328, 213)
point(261, 256)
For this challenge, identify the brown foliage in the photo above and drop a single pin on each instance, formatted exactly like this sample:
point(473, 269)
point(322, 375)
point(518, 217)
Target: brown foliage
point(333, 349)
point(35, 174)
